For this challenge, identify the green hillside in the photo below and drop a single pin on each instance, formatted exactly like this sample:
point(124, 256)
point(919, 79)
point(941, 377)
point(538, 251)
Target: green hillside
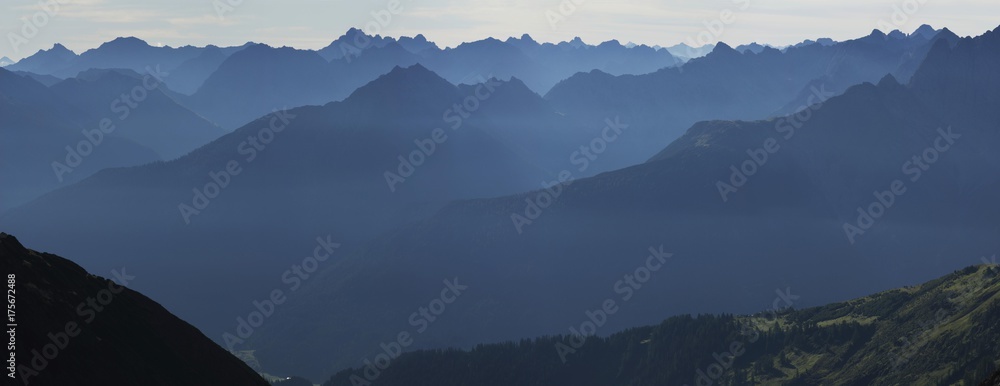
point(943, 332)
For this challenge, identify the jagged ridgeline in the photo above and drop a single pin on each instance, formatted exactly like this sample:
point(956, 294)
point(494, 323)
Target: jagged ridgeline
point(943, 332)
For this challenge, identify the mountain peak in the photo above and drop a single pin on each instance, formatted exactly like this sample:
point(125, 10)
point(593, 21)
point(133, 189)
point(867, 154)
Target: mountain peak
point(353, 31)
point(402, 80)
point(876, 33)
point(577, 42)
point(610, 43)
point(527, 39)
point(723, 49)
point(58, 48)
point(925, 30)
point(126, 42)
point(888, 81)
point(10, 243)
point(945, 32)
point(414, 69)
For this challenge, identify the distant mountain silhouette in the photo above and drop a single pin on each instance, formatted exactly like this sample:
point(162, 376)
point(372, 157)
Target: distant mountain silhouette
point(133, 54)
point(417, 44)
point(287, 77)
point(37, 126)
point(102, 332)
point(350, 43)
point(559, 61)
point(820, 41)
point(46, 80)
point(335, 157)
point(47, 62)
point(926, 31)
point(157, 121)
point(188, 76)
point(231, 91)
point(789, 217)
point(752, 47)
point(685, 52)
point(258, 79)
point(726, 84)
point(539, 65)
point(5, 61)
point(471, 208)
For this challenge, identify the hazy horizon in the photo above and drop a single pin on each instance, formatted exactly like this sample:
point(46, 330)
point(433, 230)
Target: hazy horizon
point(84, 24)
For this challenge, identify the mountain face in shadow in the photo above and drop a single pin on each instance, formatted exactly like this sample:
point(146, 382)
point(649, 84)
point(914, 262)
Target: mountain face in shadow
point(911, 336)
point(102, 333)
point(392, 153)
point(146, 114)
point(793, 223)
point(727, 84)
point(38, 126)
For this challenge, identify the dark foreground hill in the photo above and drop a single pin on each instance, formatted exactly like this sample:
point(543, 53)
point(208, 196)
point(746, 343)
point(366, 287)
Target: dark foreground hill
point(943, 332)
point(75, 328)
point(993, 381)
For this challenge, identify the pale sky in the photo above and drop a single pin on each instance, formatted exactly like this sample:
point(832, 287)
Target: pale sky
point(311, 24)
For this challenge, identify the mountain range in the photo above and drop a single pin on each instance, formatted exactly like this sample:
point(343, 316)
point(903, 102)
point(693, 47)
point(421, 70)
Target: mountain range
point(37, 126)
point(791, 216)
point(532, 181)
point(59, 134)
point(373, 166)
